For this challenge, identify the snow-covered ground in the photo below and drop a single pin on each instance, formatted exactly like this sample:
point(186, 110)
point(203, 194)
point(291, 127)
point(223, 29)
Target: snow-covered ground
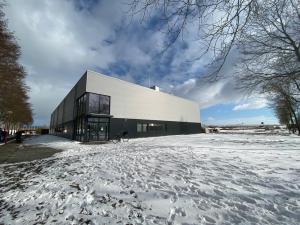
point(188, 179)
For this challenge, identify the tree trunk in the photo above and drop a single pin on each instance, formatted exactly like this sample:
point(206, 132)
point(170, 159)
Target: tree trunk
point(296, 119)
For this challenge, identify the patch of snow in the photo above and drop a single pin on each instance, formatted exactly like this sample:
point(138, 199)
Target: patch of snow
point(185, 179)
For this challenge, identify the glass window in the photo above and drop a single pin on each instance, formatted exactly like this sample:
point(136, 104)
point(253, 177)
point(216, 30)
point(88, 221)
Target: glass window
point(104, 104)
point(98, 120)
point(83, 109)
point(81, 105)
point(145, 127)
point(82, 126)
point(94, 101)
point(139, 128)
point(99, 104)
point(156, 127)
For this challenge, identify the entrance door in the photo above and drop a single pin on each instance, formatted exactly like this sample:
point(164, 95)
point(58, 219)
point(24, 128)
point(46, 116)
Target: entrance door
point(93, 131)
point(98, 129)
point(103, 131)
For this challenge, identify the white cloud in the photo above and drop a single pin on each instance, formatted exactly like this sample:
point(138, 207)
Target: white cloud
point(53, 35)
point(252, 103)
point(59, 43)
point(210, 118)
point(208, 93)
point(222, 91)
point(42, 94)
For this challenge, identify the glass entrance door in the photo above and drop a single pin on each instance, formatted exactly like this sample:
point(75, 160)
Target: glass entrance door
point(98, 129)
point(103, 131)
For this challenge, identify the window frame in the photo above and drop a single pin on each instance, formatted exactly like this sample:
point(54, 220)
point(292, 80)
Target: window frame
point(99, 103)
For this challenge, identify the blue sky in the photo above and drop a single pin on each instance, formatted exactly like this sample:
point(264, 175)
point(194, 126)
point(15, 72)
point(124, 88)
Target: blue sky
point(60, 39)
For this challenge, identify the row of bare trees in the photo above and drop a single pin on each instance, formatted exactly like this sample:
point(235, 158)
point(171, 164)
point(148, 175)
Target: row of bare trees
point(265, 33)
point(15, 110)
point(286, 105)
point(270, 47)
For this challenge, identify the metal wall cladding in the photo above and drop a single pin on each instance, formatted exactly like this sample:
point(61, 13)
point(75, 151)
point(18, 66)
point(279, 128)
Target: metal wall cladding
point(119, 125)
point(133, 101)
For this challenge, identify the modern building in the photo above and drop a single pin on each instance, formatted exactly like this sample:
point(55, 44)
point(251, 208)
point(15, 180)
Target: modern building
point(100, 107)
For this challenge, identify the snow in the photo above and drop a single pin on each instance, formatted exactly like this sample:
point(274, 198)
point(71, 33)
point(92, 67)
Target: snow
point(188, 179)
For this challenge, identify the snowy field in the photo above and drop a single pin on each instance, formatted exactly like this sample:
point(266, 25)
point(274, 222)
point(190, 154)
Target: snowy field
point(189, 179)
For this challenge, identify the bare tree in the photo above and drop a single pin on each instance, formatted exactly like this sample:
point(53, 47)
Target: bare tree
point(14, 106)
point(282, 112)
point(226, 24)
point(270, 45)
point(266, 34)
point(286, 106)
point(219, 22)
point(270, 48)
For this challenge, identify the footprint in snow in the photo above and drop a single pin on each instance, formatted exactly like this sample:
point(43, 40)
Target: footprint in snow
point(173, 198)
point(173, 212)
point(206, 219)
point(218, 192)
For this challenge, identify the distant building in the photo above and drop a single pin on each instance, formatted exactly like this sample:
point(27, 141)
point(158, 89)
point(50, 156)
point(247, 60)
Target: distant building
point(100, 107)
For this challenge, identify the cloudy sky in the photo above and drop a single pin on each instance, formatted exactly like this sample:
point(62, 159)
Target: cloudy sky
point(61, 39)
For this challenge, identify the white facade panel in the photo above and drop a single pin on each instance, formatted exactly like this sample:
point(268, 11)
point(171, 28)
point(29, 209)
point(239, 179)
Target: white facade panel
point(137, 102)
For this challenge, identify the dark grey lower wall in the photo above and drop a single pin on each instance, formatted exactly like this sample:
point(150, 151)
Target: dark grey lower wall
point(118, 125)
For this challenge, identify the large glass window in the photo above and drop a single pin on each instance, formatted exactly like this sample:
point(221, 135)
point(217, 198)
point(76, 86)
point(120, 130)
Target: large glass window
point(98, 120)
point(99, 104)
point(81, 105)
point(145, 126)
point(150, 127)
point(104, 104)
point(156, 127)
point(80, 118)
point(90, 128)
point(94, 100)
point(139, 127)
